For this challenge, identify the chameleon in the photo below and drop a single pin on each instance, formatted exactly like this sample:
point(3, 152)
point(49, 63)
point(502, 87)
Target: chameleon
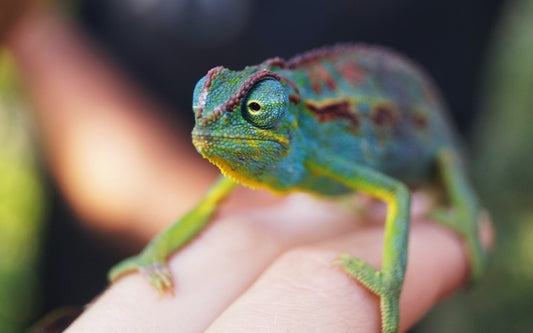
point(334, 120)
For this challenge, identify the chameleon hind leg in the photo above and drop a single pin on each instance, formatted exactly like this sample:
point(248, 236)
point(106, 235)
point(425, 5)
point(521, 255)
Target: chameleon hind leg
point(151, 262)
point(466, 210)
point(386, 283)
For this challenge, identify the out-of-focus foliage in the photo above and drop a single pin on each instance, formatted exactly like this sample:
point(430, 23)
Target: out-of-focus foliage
point(503, 151)
point(21, 207)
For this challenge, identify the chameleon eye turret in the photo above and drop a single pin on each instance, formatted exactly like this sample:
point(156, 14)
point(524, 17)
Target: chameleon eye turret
point(265, 104)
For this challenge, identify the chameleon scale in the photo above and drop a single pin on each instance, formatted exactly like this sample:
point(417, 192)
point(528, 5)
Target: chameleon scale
point(330, 121)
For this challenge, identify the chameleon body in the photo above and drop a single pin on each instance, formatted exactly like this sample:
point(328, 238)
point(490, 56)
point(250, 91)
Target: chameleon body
point(330, 121)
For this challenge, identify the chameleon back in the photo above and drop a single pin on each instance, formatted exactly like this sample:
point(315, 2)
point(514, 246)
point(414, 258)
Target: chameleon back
point(370, 106)
point(354, 104)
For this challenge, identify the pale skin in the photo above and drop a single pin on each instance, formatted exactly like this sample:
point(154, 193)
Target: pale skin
point(276, 246)
point(270, 269)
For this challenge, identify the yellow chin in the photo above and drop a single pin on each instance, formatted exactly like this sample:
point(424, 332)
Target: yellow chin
point(234, 175)
point(205, 148)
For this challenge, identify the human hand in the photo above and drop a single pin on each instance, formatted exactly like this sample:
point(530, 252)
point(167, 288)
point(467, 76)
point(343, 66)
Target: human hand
point(271, 269)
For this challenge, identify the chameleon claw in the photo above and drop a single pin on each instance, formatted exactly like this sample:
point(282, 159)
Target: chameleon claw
point(156, 272)
point(159, 276)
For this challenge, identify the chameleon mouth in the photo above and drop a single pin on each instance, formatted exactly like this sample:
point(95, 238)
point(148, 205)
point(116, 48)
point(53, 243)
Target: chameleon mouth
point(209, 141)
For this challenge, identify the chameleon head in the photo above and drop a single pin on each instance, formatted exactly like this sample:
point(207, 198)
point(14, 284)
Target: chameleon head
point(242, 122)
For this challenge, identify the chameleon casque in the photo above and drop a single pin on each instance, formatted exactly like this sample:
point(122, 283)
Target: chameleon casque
point(330, 121)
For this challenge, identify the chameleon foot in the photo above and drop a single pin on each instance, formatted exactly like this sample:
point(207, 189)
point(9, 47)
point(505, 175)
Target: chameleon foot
point(158, 275)
point(465, 215)
point(151, 262)
point(155, 271)
point(466, 227)
point(374, 280)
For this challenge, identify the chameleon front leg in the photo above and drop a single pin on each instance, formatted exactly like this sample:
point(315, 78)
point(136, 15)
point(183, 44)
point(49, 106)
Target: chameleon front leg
point(151, 262)
point(465, 216)
point(387, 282)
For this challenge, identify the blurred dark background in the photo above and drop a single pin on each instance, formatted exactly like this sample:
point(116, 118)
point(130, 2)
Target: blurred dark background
point(168, 45)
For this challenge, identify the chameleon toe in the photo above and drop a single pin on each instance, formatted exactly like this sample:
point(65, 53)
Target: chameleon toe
point(159, 276)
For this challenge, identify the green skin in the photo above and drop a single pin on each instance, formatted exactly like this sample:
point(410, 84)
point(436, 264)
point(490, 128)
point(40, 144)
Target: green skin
point(331, 121)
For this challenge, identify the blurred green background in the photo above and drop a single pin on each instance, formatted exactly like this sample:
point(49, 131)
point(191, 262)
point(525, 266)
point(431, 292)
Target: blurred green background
point(480, 52)
point(22, 203)
point(502, 146)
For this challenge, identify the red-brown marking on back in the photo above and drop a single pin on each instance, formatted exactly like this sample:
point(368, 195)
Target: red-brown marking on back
point(333, 111)
point(326, 77)
point(351, 72)
point(295, 99)
point(384, 115)
point(315, 81)
point(419, 120)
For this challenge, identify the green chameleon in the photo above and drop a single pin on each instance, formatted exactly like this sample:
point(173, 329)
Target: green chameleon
point(329, 122)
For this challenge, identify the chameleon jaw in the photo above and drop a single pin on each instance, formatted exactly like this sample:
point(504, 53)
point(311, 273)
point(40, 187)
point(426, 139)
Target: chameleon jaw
point(208, 141)
point(243, 159)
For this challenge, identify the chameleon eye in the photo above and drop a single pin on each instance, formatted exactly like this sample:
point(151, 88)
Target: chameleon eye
point(265, 103)
point(254, 107)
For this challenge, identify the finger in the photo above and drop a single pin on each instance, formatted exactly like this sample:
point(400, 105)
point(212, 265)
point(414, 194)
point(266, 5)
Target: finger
point(215, 268)
point(303, 292)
